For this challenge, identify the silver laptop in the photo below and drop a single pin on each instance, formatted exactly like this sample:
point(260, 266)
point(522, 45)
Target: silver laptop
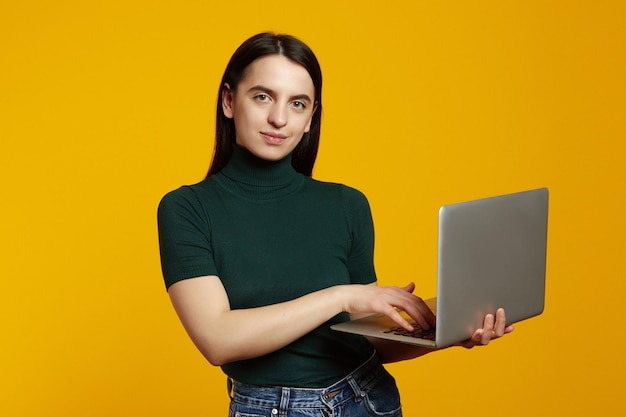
point(492, 254)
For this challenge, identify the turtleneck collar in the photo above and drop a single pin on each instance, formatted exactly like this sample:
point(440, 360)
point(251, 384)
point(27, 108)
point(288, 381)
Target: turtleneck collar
point(253, 177)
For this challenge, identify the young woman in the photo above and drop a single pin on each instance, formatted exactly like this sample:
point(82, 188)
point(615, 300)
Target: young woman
point(260, 259)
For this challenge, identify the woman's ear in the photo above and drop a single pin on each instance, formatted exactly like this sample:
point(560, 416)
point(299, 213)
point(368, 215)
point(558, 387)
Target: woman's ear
point(227, 101)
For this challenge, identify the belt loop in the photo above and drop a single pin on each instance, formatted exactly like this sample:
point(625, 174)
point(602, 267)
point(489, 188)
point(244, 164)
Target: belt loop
point(284, 402)
point(355, 387)
point(231, 388)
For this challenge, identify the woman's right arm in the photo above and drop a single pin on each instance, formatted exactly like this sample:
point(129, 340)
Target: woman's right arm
point(224, 335)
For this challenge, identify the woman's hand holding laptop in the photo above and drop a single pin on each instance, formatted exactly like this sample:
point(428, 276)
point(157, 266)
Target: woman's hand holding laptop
point(493, 328)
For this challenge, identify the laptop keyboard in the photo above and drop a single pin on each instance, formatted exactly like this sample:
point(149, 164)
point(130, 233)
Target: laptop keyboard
point(417, 333)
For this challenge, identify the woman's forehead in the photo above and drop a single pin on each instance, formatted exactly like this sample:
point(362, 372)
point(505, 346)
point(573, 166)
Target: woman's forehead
point(278, 72)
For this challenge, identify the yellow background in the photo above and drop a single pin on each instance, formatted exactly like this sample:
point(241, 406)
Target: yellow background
point(107, 105)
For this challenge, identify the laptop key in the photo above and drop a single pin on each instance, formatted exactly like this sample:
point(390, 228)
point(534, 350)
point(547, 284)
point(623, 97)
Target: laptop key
point(417, 333)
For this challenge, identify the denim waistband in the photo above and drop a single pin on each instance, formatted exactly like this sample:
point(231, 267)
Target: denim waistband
point(286, 397)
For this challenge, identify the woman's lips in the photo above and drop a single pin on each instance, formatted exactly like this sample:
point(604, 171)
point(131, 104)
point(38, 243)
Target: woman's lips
point(273, 138)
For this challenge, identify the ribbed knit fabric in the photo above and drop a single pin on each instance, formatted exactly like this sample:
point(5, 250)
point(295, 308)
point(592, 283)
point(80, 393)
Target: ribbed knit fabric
point(271, 235)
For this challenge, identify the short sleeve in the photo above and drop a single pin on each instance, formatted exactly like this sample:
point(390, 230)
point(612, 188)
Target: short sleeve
point(184, 237)
point(361, 255)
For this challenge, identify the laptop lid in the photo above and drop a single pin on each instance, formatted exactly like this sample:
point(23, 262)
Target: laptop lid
point(492, 254)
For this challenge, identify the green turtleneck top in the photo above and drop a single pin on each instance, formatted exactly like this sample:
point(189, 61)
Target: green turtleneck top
point(271, 235)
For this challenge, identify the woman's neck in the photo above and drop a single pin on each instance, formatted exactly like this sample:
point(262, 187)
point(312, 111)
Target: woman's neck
point(254, 177)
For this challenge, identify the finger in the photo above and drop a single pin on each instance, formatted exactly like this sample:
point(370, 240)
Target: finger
point(427, 315)
point(476, 339)
point(487, 329)
point(414, 306)
point(422, 315)
point(410, 287)
point(499, 328)
point(397, 317)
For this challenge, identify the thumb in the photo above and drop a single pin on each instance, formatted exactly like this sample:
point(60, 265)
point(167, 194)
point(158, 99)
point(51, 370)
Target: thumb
point(410, 287)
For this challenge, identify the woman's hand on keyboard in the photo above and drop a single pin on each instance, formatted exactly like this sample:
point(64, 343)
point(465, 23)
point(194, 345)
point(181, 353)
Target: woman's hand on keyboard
point(368, 299)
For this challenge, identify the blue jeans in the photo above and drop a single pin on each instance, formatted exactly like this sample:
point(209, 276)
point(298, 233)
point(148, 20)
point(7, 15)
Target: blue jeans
point(369, 391)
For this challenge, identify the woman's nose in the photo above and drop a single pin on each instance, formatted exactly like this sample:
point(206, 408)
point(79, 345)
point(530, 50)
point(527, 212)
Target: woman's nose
point(278, 116)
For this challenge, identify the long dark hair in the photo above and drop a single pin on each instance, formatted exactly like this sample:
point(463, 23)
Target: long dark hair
point(260, 45)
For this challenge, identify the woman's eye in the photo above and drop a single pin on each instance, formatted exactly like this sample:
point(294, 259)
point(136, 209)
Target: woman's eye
point(299, 105)
point(262, 97)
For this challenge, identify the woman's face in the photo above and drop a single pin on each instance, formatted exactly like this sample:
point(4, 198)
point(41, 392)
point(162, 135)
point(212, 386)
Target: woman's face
point(272, 106)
